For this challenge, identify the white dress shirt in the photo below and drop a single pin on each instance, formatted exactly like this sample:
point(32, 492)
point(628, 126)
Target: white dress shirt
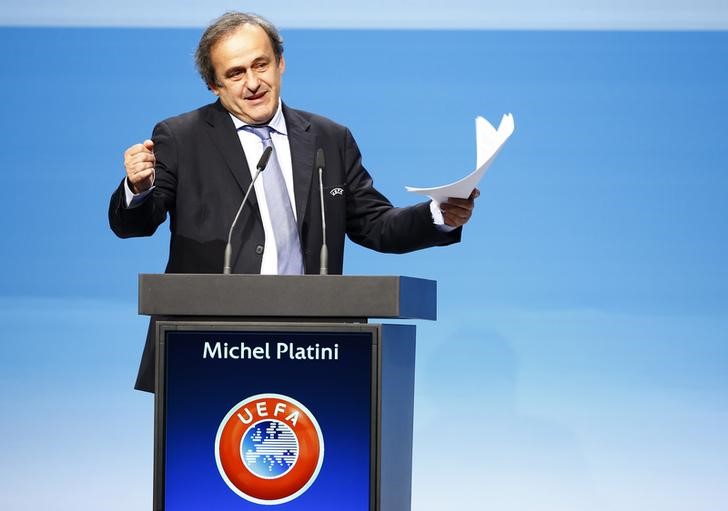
point(253, 149)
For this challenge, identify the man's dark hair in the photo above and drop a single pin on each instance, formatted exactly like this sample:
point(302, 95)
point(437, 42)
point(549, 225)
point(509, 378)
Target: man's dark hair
point(223, 27)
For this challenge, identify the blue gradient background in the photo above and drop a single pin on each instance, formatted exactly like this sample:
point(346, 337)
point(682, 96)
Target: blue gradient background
point(583, 327)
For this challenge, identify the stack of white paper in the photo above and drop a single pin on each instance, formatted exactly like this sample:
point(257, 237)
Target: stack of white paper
point(489, 142)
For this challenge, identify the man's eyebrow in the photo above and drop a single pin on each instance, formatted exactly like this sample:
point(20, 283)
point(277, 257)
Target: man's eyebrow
point(231, 71)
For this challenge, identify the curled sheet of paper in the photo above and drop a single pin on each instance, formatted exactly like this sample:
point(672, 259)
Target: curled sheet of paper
point(488, 143)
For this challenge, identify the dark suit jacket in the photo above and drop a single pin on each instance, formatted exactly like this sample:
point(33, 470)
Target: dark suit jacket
point(202, 174)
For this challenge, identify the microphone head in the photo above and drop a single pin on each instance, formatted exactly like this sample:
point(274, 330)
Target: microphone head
point(265, 157)
point(320, 162)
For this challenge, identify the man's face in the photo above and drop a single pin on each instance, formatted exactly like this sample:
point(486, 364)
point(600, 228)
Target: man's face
point(248, 75)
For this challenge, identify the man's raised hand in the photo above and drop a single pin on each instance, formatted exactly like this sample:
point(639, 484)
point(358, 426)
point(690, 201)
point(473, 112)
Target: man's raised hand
point(139, 164)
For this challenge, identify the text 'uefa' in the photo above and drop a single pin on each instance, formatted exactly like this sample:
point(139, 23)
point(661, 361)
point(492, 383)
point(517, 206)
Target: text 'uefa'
point(261, 411)
point(266, 351)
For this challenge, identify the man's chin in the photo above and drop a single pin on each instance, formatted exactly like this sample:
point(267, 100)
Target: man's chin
point(259, 115)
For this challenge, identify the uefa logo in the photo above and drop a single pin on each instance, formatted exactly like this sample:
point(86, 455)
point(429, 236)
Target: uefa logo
point(269, 449)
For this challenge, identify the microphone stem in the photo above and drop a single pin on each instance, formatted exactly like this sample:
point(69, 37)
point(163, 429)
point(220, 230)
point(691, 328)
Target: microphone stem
point(324, 257)
point(228, 248)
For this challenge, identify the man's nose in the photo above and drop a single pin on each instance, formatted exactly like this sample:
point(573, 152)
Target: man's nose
point(252, 81)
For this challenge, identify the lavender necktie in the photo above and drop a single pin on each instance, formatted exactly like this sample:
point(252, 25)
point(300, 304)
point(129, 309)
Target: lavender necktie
point(288, 246)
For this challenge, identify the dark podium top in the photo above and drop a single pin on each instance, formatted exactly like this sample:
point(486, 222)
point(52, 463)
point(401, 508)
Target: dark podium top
point(287, 296)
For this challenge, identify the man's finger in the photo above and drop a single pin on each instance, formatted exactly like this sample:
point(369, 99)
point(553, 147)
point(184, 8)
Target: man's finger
point(140, 181)
point(141, 175)
point(136, 148)
point(464, 202)
point(140, 157)
point(459, 203)
point(139, 163)
point(456, 212)
point(136, 161)
point(453, 221)
point(145, 148)
point(138, 167)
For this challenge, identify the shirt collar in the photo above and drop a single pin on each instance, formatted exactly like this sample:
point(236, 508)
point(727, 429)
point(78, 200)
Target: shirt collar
point(278, 122)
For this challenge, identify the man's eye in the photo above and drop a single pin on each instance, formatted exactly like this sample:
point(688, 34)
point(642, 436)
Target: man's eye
point(261, 66)
point(235, 74)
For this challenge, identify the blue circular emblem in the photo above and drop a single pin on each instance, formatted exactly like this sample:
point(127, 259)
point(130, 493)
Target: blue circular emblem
point(269, 449)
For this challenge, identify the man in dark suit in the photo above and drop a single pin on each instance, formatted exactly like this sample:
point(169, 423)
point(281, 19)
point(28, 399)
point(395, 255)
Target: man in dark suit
point(198, 165)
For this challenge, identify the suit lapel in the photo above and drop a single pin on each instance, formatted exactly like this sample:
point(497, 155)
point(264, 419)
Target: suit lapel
point(303, 153)
point(224, 136)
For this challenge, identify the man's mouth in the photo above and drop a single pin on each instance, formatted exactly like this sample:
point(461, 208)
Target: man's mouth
point(256, 96)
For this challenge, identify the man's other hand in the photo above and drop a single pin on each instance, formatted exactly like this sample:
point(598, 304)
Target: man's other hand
point(139, 164)
point(457, 212)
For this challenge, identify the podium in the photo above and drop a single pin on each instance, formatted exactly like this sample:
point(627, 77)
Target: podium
point(277, 391)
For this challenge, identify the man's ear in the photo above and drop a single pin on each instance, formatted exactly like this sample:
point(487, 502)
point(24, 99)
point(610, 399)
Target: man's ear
point(214, 88)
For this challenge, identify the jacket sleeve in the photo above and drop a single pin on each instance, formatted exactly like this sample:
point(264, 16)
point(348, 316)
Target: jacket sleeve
point(143, 219)
point(372, 221)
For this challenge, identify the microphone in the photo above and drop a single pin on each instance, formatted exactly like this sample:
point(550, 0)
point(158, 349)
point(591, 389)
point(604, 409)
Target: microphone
point(262, 163)
point(324, 257)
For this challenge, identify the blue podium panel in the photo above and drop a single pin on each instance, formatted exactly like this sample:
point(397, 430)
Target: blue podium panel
point(254, 416)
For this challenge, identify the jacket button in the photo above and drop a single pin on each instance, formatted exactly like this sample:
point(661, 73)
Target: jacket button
point(259, 249)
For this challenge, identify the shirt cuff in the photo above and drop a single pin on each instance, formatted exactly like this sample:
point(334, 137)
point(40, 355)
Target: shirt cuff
point(134, 199)
point(437, 218)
